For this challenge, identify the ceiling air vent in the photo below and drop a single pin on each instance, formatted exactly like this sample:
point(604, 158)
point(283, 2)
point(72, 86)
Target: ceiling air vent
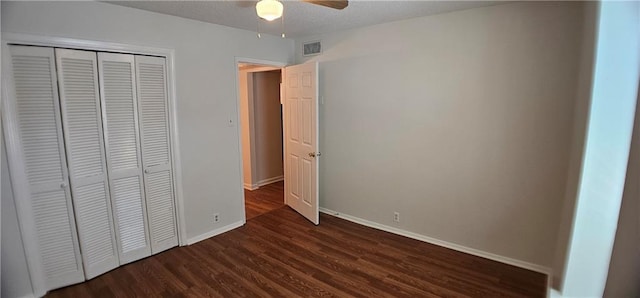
point(311, 48)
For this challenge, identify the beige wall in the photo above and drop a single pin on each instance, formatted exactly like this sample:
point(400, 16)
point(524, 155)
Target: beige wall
point(268, 125)
point(245, 90)
point(581, 113)
point(261, 124)
point(461, 122)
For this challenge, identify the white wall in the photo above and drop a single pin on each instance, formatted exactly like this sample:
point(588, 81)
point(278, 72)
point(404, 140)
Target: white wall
point(613, 102)
point(15, 275)
point(268, 125)
point(462, 122)
point(205, 72)
point(624, 269)
point(205, 84)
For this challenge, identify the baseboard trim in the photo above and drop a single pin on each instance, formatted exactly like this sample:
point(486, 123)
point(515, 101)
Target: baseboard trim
point(270, 180)
point(215, 232)
point(553, 293)
point(248, 186)
point(460, 248)
point(263, 182)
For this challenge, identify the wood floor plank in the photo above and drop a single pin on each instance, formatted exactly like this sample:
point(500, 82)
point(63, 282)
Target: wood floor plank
point(278, 253)
point(267, 198)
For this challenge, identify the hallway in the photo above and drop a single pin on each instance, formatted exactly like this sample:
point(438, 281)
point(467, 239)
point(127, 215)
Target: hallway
point(263, 200)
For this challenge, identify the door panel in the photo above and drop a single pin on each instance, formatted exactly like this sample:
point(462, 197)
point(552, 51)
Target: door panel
point(161, 211)
point(307, 119)
point(130, 218)
point(156, 153)
point(38, 121)
point(307, 175)
point(301, 139)
point(120, 117)
point(294, 129)
point(293, 183)
point(82, 122)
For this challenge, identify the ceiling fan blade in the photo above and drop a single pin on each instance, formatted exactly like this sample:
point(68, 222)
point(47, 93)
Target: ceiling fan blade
point(246, 3)
point(336, 4)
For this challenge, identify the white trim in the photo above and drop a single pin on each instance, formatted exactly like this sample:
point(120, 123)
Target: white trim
point(460, 248)
point(550, 290)
point(248, 186)
point(276, 64)
point(215, 232)
point(267, 181)
point(553, 293)
point(263, 182)
point(29, 296)
point(239, 60)
point(283, 90)
point(18, 179)
point(175, 148)
point(80, 44)
point(260, 69)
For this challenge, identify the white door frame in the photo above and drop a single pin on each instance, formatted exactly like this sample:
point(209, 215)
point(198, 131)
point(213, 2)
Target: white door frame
point(239, 60)
point(19, 181)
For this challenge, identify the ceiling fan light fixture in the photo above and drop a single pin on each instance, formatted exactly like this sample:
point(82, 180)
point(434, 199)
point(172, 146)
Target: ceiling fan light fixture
point(269, 9)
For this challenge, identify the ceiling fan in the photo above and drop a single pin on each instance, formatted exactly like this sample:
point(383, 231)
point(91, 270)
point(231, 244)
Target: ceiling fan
point(335, 4)
point(272, 9)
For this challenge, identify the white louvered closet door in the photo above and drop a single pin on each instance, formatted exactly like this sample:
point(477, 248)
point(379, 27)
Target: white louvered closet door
point(78, 82)
point(120, 122)
point(156, 153)
point(37, 113)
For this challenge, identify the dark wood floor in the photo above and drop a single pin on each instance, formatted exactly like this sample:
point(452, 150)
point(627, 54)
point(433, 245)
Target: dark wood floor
point(264, 199)
point(281, 254)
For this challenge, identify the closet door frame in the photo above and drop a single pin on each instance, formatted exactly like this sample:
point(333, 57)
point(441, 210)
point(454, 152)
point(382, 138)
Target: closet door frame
point(16, 162)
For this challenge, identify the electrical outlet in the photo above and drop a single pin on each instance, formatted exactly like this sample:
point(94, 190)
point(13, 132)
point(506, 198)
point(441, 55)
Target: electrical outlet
point(396, 216)
point(216, 217)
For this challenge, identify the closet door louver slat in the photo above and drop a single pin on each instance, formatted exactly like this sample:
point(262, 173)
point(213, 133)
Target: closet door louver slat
point(78, 81)
point(37, 113)
point(156, 153)
point(120, 118)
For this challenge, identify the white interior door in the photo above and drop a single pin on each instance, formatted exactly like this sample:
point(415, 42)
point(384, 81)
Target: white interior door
point(81, 119)
point(124, 164)
point(34, 111)
point(301, 139)
point(156, 152)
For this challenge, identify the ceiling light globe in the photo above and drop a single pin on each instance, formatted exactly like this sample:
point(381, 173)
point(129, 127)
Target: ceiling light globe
point(269, 9)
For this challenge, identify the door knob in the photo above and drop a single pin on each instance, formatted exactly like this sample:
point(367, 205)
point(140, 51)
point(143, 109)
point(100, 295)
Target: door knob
point(146, 171)
point(63, 185)
point(313, 154)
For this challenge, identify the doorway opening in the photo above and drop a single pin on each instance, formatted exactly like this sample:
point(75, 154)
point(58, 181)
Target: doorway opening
point(261, 137)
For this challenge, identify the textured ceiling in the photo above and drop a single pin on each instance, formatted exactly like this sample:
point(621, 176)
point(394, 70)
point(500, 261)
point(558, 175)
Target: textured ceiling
point(302, 19)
